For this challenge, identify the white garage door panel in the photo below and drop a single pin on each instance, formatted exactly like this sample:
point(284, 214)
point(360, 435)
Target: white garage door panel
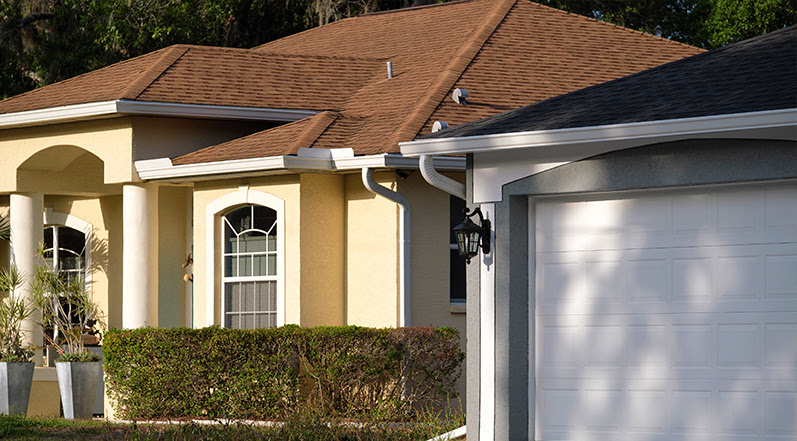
point(667, 316)
point(730, 346)
point(655, 410)
point(668, 280)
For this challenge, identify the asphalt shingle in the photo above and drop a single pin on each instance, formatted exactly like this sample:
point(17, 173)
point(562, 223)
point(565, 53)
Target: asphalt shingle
point(754, 75)
point(507, 53)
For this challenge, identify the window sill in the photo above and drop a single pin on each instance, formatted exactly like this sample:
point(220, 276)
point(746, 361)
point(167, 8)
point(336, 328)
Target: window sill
point(457, 308)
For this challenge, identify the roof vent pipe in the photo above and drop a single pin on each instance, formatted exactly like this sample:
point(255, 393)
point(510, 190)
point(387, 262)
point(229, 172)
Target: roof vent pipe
point(460, 96)
point(390, 69)
point(439, 125)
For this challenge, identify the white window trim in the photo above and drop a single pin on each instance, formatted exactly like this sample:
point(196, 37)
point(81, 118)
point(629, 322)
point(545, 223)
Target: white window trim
point(56, 218)
point(213, 259)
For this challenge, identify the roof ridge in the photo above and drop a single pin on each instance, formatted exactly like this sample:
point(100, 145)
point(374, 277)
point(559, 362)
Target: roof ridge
point(411, 8)
point(318, 125)
point(452, 72)
point(619, 27)
point(315, 57)
point(357, 17)
point(166, 60)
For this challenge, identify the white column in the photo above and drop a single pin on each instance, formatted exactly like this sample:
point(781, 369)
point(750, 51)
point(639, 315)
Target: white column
point(140, 255)
point(26, 235)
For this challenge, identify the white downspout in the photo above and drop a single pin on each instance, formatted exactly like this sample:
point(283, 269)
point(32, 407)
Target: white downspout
point(404, 238)
point(442, 182)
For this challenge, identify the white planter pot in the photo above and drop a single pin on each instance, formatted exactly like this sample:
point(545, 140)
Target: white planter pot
point(15, 382)
point(77, 382)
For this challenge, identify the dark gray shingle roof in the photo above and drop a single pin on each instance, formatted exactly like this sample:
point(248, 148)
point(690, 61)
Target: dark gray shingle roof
point(753, 75)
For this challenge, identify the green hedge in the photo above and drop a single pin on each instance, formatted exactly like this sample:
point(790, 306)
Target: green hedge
point(271, 373)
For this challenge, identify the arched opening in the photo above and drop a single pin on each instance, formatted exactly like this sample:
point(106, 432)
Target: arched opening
point(64, 169)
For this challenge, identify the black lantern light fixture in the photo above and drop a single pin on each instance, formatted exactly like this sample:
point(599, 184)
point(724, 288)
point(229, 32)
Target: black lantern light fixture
point(471, 236)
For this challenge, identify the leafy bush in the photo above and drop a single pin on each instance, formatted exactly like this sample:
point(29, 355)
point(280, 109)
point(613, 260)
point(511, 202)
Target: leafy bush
point(347, 372)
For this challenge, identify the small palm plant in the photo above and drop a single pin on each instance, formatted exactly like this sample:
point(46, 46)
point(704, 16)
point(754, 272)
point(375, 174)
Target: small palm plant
point(5, 227)
point(65, 305)
point(13, 311)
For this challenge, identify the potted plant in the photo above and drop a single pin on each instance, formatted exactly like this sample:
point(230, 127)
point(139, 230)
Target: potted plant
point(67, 308)
point(16, 367)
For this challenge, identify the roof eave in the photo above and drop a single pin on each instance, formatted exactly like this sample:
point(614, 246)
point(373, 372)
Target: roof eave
point(162, 169)
point(751, 124)
point(106, 109)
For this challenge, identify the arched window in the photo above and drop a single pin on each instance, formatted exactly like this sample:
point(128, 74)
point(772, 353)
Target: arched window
point(65, 251)
point(250, 267)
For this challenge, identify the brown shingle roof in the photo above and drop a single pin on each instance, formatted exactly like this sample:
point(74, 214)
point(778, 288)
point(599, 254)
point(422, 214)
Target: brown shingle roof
point(755, 75)
point(507, 53)
point(186, 74)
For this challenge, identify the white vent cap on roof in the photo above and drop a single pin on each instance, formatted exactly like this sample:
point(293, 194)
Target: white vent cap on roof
point(439, 125)
point(460, 96)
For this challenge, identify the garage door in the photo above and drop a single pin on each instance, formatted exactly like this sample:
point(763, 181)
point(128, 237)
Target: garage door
point(667, 316)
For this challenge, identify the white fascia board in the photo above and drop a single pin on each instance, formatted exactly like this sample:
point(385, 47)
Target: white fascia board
point(126, 107)
point(57, 114)
point(716, 125)
point(162, 168)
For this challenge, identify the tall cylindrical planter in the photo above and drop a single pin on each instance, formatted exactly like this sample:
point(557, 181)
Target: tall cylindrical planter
point(15, 382)
point(77, 381)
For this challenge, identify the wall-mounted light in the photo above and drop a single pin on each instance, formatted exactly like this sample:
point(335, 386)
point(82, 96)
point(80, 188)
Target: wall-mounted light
point(471, 236)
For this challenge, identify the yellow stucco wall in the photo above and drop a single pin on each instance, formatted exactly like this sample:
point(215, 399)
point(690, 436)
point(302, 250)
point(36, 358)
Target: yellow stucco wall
point(372, 254)
point(322, 220)
point(172, 253)
point(45, 398)
point(45, 151)
point(171, 137)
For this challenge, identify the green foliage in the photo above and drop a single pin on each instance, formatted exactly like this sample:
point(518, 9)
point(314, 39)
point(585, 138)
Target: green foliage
point(705, 23)
point(65, 305)
point(306, 425)
point(13, 310)
point(5, 221)
point(734, 20)
point(270, 373)
point(82, 356)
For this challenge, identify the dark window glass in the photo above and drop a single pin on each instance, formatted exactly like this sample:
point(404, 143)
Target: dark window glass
point(457, 280)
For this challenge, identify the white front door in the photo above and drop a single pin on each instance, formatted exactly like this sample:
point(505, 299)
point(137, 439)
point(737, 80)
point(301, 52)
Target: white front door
point(667, 315)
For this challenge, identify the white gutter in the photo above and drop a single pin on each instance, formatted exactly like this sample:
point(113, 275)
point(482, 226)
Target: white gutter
point(404, 238)
point(308, 159)
point(434, 178)
point(732, 125)
point(127, 107)
point(456, 433)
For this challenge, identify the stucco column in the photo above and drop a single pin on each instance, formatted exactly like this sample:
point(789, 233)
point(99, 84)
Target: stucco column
point(140, 255)
point(26, 235)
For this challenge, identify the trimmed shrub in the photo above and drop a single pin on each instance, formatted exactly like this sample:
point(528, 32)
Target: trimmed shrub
point(348, 372)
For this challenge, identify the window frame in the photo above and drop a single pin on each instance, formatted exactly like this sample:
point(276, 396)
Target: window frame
point(225, 223)
point(53, 218)
point(214, 234)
